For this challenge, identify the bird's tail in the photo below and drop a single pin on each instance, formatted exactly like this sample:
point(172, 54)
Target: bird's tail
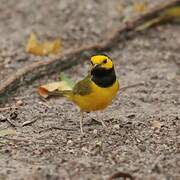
point(67, 93)
point(44, 92)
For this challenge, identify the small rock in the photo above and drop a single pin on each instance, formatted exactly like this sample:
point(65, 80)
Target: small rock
point(19, 103)
point(99, 143)
point(116, 126)
point(156, 169)
point(71, 151)
point(95, 131)
point(7, 151)
point(142, 147)
point(138, 140)
point(84, 149)
point(171, 76)
point(70, 142)
point(2, 118)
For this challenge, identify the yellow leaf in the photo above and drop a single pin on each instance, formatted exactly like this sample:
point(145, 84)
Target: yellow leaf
point(47, 47)
point(167, 15)
point(6, 132)
point(140, 7)
point(56, 46)
point(171, 13)
point(42, 49)
point(45, 90)
point(33, 47)
point(63, 85)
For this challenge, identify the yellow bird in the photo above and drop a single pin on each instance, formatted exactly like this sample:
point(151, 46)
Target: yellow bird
point(97, 90)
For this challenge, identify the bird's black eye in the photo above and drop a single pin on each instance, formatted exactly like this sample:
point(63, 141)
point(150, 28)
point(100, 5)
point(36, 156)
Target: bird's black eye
point(105, 61)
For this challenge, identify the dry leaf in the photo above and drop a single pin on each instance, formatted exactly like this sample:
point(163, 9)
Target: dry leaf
point(44, 90)
point(42, 49)
point(156, 124)
point(171, 13)
point(130, 10)
point(33, 47)
point(56, 46)
point(168, 15)
point(6, 132)
point(140, 7)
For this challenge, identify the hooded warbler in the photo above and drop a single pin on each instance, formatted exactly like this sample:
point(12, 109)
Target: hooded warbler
point(97, 90)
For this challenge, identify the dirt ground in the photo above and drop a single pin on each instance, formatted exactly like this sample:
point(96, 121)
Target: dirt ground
point(143, 134)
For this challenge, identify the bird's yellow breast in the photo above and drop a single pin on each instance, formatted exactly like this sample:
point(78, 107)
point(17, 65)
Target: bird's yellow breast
point(98, 99)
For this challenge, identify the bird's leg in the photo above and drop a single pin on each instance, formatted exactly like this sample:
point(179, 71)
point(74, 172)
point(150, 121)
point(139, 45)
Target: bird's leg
point(101, 120)
point(81, 122)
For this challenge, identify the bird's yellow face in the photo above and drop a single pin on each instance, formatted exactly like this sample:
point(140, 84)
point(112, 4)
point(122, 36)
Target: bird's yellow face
point(101, 61)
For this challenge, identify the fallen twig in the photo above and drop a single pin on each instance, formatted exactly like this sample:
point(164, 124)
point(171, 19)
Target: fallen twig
point(26, 123)
point(11, 123)
point(73, 56)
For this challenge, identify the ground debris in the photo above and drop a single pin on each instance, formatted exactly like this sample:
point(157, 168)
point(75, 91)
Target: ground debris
point(123, 175)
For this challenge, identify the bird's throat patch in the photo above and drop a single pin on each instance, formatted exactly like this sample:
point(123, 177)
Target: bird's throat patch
point(103, 77)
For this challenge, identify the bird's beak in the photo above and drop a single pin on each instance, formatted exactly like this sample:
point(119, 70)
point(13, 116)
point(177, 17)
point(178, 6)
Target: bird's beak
point(95, 66)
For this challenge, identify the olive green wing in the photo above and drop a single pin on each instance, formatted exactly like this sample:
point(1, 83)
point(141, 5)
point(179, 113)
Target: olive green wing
point(83, 87)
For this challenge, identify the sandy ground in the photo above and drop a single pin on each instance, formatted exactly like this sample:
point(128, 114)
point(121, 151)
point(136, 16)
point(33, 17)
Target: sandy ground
point(143, 134)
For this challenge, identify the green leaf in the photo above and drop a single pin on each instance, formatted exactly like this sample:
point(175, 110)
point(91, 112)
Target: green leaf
point(65, 78)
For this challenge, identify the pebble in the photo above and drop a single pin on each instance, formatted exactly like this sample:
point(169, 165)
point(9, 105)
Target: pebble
point(116, 126)
point(2, 118)
point(19, 103)
point(85, 149)
point(95, 131)
point(70, 142)
point(142, 148)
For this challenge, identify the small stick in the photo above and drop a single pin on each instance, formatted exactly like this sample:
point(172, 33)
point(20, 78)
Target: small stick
point(11, 123)
point(26, 123)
